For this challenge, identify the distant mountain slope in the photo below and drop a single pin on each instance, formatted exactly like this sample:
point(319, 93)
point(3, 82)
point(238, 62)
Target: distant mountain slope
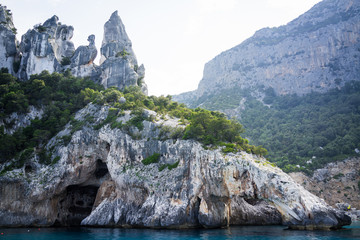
point(315, 52)
point(295, 88)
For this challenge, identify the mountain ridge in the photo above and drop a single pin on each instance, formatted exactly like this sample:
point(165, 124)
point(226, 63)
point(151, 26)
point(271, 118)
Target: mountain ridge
point(329, 39)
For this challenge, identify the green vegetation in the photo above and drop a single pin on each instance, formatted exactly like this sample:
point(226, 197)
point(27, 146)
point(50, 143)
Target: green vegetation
point(65, 61)
point(338, 176)
point(151, 159)
point(123, 53)
point(169, 166)
point(294, 129)
point(41, 28)
point(60, 96)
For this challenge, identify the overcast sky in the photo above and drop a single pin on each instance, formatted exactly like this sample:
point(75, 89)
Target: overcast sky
point(172, 38)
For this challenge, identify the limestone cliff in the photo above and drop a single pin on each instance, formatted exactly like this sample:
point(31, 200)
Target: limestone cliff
point(48, 46)
point(315, 52)
point(100, 178)
point(8, 43)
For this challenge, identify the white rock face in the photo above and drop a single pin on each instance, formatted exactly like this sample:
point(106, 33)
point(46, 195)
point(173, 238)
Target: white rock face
point(8, 48)
point(48, 47)
point(188, 187)
point(44, 47)
point(18, 121)
point(119, 65)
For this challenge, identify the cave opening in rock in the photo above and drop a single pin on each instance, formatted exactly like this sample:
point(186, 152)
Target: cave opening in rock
point(101, 169)
point(77, 201)
point(76, 204)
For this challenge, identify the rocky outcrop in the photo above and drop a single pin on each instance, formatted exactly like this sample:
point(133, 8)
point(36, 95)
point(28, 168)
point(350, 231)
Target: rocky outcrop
point(118, 62)
point(82, 62)
point(315, 52)
point(20, 120)
point(48, 46)
point(8, 43)
point(99, 179)
point(44, 47)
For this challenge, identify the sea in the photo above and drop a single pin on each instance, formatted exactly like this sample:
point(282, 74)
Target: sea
point(243, 232)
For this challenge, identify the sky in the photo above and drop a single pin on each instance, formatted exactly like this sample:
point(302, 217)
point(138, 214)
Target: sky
point(172, 38)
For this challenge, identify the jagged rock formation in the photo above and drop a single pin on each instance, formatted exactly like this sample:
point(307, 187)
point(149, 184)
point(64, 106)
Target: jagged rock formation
point(8, 43)
point(82, 62)
point(49, 47)
point(118, 60)
point(100, 180)
point(44, 47)
point(315, 52)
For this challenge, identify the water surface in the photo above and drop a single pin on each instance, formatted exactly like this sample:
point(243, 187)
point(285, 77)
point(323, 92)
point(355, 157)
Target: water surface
point(248, 232)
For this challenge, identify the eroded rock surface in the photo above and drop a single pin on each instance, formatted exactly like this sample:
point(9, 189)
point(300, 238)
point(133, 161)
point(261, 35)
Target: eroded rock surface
point(204, 188)
point(8, 43)
point(118, 61)
point(44, 47)
point(48, 46)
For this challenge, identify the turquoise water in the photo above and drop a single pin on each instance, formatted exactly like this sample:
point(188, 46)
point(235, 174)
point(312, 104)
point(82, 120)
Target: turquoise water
point(263, 233)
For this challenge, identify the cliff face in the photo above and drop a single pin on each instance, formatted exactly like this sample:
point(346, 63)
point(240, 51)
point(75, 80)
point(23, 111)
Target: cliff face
point(315, 52)
point(8, 43)
point(99, 179)
point(48, 46)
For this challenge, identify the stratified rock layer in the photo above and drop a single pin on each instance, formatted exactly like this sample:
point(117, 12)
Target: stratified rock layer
point(203, 188)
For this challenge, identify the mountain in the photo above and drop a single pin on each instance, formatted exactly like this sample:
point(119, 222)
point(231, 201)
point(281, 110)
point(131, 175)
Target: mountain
point(295, 88)
point(97, 151)
point(318, 51)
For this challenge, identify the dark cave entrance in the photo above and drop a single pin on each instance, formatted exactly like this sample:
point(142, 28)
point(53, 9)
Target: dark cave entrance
point(101, 169)
point(76, 205)
point(77, 201)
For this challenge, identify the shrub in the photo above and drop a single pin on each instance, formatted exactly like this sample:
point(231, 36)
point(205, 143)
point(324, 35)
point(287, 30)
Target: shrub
point(41, 28)
point(172, 166)
point(151, 159)
point(65, 61)
point(169, 166)
point(337, 176)
point(123, 53)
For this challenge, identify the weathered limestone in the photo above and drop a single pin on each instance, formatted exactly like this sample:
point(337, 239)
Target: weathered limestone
point(8, 43)
point(118, 61)
point(44, 47)
point(207, 188)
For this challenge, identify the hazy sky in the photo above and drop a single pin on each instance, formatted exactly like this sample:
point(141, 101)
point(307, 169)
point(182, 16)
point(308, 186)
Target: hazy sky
point(172, 38)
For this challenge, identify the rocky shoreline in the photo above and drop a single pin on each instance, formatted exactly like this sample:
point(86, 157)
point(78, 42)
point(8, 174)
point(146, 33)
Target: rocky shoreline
point(101, 180)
